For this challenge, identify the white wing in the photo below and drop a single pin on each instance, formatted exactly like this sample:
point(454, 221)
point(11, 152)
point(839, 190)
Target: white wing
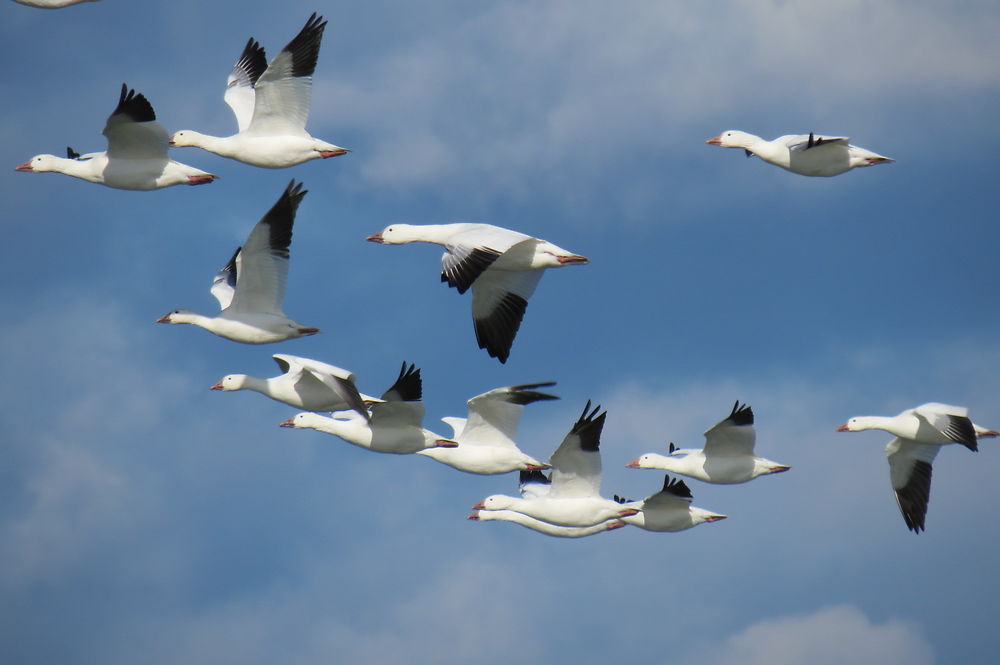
point(499, 300)
point(262, 264)
point(576, 463)
point(472, 250)
point(801, 142)
point(495, 415)
point(283, 92)
point(910, 476)
point(240, 84)
point(132, 130)
point(338, 380)
point(951, 421)
point(734, 435)
point(224, 284)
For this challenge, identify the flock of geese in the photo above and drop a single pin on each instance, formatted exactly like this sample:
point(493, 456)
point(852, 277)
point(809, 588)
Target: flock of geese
point(502, 268)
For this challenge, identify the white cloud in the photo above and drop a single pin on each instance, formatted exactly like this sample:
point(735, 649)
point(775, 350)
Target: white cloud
point(829, 636)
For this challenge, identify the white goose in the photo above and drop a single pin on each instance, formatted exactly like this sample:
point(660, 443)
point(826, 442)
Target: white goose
point(805, 154)
point(486, 438)
point(932, 423)
point(574, 497)
point(251, 288)
point(271, 104)
point(502, 267)
point(136, 157)
point(305, 384)
point(669, 509)
point(545, 527)
point(727, 458)
point(394, 426)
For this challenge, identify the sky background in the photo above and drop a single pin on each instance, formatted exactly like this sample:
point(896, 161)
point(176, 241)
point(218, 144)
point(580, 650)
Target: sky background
point(146, 519)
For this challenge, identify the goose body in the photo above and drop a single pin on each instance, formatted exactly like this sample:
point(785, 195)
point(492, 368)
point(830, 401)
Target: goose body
point(486, 437)
point(136, 157)
point(502, 267)
point(933, 423)
point(727, 458)
point(251, 287)
point(271, 105)
point(805, 154)
point(669, 509)
point(574, 496)
point(395, 425)
point(545, 527)
point(305, 384)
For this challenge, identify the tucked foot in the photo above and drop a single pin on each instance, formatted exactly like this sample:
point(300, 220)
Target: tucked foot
point(201, 179)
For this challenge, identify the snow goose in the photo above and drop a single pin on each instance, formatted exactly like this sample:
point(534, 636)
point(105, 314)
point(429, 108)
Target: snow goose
point(394, 426)
point(805, 154)
point(486, 438)
point(251, 287)
point(271, 105)
point(502, 267)
point(574, 497)
point(669, 509)
point(545, 527)
point(51, 4)
point(136, 157)
point(727, 458)
point(932, 423)
point(305, 384)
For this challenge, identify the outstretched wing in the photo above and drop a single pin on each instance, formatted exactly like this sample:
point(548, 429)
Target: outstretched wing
point(240, 84)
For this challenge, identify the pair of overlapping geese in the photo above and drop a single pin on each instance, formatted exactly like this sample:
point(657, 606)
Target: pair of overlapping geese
point(502, 267)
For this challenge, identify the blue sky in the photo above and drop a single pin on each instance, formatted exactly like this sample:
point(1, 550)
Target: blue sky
point(145, 518)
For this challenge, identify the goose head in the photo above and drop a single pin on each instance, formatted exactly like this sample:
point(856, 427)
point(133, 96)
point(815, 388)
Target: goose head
point(184, 138)
point(495, 502)
point(177, 316)
point(732, 138)
point(40, 164)
point(394, 234)
point(231, 382)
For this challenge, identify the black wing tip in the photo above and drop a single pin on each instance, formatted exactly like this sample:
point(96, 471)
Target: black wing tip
point(589, 426)
point(465, 272)
point(533, 476)
point(134, 105)
point(496, 332)
point(677, 487)
point(72, 154)
point(960, 430)
point(252, 60)
point(741, 414)
point(621, 499)
point(408, 385)
point(304, 47)
point(914, 497)
point(525, 393)
point(672, 448)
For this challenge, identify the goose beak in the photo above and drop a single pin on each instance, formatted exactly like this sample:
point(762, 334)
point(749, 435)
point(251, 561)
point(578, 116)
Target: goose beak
point(634, 464)
point(24, 167)
point(843, 428)
point(473, 516)
point(287, 423)
point(479, 506)
point(308, 331)
point(715, 140)
point(217, 386)
point(375, 237)
point(164, 319)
